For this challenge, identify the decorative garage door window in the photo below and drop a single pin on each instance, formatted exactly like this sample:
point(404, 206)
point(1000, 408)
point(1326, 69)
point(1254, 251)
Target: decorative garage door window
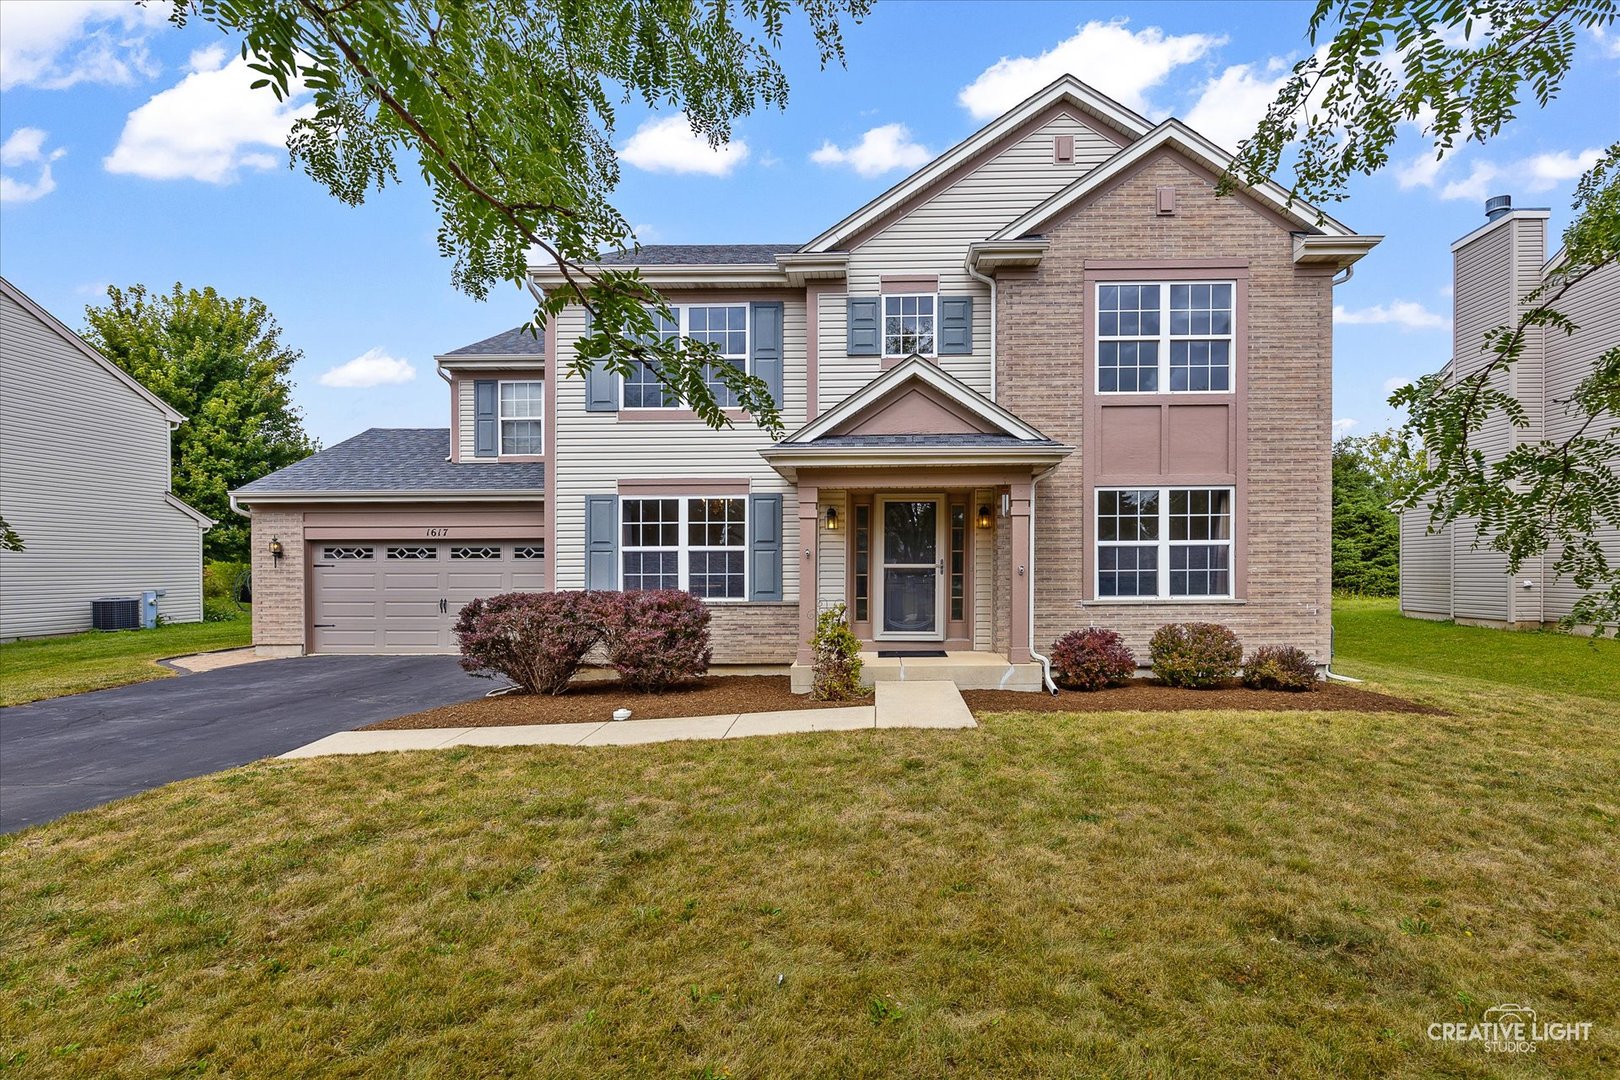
point(529, 551)
point(482, 552)
point(413, 553)
point(699, 545)
point(346, 552)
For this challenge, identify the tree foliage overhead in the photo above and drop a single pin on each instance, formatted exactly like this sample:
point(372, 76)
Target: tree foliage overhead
point(1458, 71)
point(507, 108)
point(221, 363)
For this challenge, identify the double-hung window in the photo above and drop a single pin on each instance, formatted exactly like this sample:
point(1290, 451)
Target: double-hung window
point(696, 544)
point(522, 426)
point(1165, 336)
point(1164, 543)
point(725, 326)
point(908, 324)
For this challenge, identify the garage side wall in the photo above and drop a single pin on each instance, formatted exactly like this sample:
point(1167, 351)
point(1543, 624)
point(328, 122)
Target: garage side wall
point(278, 585)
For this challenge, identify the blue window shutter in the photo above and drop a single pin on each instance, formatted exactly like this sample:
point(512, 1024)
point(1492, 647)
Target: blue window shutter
point(765, 546)
point(865, 322)
point(767, 346)
point(486, 440)
point(601, 385)
point(955, 325)
point(602, 542)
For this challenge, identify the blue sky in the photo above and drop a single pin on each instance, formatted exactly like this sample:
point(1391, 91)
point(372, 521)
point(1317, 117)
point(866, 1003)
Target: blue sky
point(134, 152)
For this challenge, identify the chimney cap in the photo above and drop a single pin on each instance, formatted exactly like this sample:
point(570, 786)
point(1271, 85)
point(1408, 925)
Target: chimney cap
point(1498, 205)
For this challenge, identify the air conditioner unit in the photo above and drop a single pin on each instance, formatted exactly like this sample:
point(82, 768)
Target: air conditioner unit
point(116, 613)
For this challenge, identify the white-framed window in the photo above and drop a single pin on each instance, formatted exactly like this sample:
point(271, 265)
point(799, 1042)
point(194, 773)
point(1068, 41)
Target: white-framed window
point(908, 323)
point(725, 326)
point(522, 417)
point(1164, 543)
point(696, 543)
point(1174, 337)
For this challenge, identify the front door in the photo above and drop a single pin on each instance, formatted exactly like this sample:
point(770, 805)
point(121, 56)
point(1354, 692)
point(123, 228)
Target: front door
point(910, 595)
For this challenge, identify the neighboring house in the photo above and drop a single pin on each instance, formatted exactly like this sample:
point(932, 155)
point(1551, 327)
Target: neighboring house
point(84, 479)
point(1444, 574)
point(1048, 381)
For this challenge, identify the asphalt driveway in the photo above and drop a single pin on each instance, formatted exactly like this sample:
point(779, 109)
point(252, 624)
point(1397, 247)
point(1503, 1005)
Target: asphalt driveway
point(75, 752)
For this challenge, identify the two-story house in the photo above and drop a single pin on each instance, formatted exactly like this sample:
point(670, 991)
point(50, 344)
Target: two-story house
point(1050, 380)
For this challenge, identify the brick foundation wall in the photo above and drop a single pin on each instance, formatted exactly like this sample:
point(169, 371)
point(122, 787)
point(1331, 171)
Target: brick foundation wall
point(278, 585)
point(1289, 388)
point(754, 633)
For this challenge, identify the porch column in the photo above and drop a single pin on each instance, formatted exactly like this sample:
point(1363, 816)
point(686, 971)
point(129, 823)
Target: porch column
point(809, 586)
point(1018, 643)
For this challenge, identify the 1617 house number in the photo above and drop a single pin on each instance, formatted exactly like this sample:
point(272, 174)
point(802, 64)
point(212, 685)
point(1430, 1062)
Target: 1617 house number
point(437, 532)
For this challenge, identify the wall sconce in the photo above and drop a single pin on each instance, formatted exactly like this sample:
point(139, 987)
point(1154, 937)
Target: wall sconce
point(984, 520)
point(276, 549)
point(832, 519)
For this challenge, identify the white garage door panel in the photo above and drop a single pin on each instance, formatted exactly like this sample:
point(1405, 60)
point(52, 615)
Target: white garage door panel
point(363, 601)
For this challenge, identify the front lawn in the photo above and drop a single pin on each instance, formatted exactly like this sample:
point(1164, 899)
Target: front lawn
point(1194, 894)
point(50, 667)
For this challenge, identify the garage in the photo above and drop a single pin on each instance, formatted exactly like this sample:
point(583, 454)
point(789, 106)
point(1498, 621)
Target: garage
point(403, 596)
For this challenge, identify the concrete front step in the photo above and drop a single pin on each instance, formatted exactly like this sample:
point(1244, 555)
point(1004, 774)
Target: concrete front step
point(966, 670)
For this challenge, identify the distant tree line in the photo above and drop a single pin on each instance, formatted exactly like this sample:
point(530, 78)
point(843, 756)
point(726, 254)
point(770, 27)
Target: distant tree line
point(1369, 473)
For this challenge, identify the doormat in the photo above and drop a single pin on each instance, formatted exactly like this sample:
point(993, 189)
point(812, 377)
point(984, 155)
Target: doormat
point(911, 652)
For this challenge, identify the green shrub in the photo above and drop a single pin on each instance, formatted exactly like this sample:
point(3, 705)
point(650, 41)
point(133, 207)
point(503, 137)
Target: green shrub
point(836, 658)
point(218, 610)
point(1279, 667)
point(226, 580)
point(1195, 654)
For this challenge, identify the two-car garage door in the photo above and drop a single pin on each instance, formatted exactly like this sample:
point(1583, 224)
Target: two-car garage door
point(403, 597)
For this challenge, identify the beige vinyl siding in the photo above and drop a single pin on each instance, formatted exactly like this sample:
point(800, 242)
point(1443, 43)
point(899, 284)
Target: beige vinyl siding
point(466, 424)
point(84, 470)
point(592, 452)
point(832, 558)
point(1425, 566)
point(984, 572)
point(933, 240)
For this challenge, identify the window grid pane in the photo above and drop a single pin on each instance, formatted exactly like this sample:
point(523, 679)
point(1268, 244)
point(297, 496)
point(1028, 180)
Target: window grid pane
point(1187, 532)
point(863, 562)
point(726, 328)
point(958, 562)
point(642, 390)
point(697, 544)
point(1189, 337)
point(908, 325)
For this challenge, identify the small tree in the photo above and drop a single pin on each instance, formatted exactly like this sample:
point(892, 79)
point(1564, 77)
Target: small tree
point(835, 654)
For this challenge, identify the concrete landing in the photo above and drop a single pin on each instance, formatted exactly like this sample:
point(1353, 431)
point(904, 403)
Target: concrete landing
point(967, 670)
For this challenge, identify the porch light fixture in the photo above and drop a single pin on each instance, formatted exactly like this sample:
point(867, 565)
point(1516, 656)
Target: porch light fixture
point(276, 549)
point(984, 520)
point(832, 519)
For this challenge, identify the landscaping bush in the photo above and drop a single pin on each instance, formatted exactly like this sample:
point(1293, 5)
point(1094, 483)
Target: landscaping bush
point(537, 640)
point(219, 610)
point(225, 580)
point(1091, 659)
point(658, 638)
point(1279, 667)
point(835, 658)
point(1195, 654)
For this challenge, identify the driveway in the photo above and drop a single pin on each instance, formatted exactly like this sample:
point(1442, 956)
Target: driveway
point(75, 752)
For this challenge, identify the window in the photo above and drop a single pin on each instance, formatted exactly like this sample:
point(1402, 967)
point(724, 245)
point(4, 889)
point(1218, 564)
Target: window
point(696, 544)
point(725, 326)
point(863, 562)
point(1174, 337)
point(413, 553)
point(1164, 542)
point(529, 551)
point(347, 552)
point(958, 582)
point(481, 551)
point(521, 430)
point(908, 325)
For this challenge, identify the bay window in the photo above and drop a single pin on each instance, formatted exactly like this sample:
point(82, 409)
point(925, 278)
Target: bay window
point(696, 544)
point(1174, 337)
point(1164, 543)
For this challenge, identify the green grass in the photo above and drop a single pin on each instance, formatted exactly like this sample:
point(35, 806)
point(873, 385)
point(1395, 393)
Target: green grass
point(1371, 636)
point(50, 667)
point(1207, 894)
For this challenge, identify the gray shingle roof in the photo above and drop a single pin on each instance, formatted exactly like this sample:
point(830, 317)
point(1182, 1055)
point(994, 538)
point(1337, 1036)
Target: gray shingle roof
point(969, 439)
point(398, 459)
point(517, 341)
point(697, 254)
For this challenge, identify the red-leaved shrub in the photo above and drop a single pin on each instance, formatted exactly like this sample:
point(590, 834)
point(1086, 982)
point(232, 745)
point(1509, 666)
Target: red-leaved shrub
point(537, 640)
point(1279, 667)
point(1195, 654)
point(658, 638)
point(1091, 659)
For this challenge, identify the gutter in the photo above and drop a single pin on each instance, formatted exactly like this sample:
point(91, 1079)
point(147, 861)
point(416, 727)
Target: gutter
point(1045, 661)
point(975, 274)
point(454, 404)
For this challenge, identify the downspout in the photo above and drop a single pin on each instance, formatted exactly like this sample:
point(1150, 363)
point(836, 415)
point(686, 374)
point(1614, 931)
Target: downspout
point(1045, 661)
point(454, 404)
point(1327, 669)
point(990, 282)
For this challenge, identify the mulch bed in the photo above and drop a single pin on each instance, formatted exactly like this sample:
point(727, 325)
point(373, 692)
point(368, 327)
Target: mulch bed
point(717, 695)
point(1142, 695)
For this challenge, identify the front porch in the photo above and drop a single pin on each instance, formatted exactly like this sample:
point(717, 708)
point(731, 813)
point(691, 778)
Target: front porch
point(968, 670)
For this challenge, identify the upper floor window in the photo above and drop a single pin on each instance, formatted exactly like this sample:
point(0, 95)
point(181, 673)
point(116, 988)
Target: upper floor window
point(908, 324)
point(1167, 543)
point(696, 544)
point(522, 426)
point(725, 326)
point(1164, 336)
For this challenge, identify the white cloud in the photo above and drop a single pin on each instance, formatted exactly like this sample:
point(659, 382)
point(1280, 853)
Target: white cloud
point(1546, 171)
point(53, 45)
point(371, 368)
point(208, 127)
point(1232, 104)
point(1608, 42)
point(1342, 427)
point(1474, 186)
point(670, 145)
point(1538, 172)
point(1421, 171)
point(26, 147)
point(881, 150)
point(1402, 313)
point(1394, 383)
point(1122, 64)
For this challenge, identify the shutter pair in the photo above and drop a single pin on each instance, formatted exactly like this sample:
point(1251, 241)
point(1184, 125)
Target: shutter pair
point(765, 342)
point(764, 545)
point(953, 335)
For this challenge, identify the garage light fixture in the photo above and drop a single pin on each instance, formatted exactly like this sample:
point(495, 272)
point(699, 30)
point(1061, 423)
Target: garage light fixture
point(832, 519)
point(276, 550)
point(984, 520)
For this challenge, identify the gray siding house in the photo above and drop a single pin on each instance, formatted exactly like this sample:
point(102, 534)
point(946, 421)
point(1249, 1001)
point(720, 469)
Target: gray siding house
point(1443, 574)
point(84, 479)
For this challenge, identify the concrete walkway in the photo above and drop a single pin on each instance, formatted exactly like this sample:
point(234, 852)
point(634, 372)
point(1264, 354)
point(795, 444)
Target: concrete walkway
point(899, 705)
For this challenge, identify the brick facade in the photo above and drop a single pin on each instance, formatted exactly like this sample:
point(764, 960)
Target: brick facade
point(754, 633)
point(1286, 587)
point(278, 585)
